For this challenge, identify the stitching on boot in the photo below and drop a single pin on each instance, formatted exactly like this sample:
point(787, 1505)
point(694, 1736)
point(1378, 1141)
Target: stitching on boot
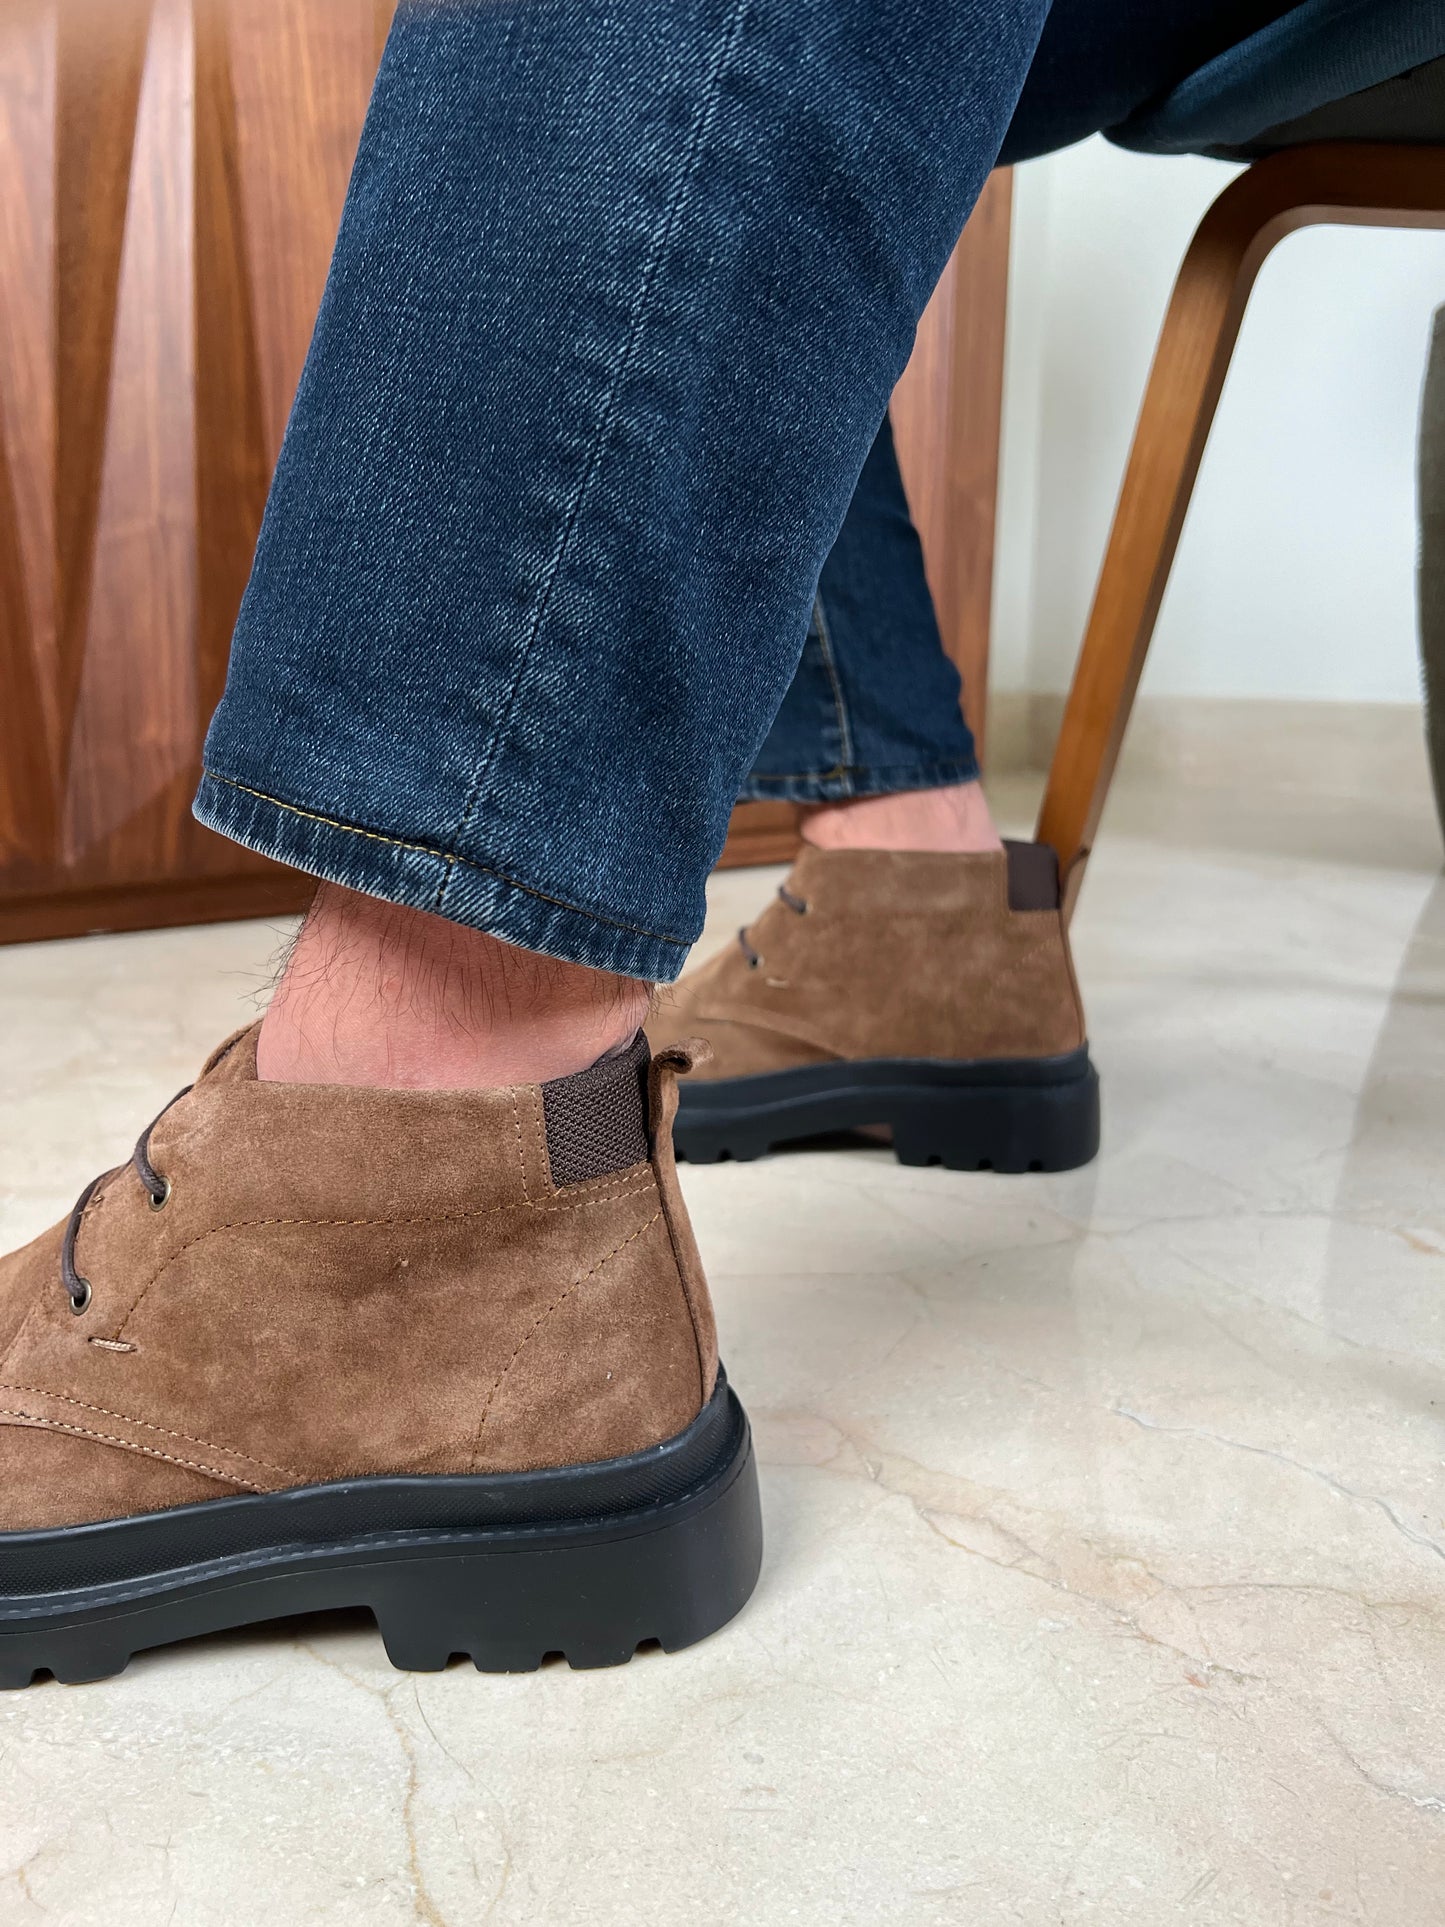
point(431, 1217)
point(1045, 947)
point(539, 1141)
point(542, 1318)
point(640, 1170)
point(521, 1151)
point(129, 1445)
point(166, 1431)
point(1048, 941)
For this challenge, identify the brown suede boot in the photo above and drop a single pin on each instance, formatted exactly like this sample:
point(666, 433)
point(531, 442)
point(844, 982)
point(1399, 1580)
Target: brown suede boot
point(445, 1354)
point(932, 995)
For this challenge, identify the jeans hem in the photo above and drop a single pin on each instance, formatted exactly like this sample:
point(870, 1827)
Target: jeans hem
point(842, 784)
point(413, 873)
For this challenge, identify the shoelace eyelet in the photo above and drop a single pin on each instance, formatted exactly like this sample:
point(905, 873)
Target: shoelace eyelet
point(157, 1189)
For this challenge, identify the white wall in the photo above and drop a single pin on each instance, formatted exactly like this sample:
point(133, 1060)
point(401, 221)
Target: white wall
point(1295, 577)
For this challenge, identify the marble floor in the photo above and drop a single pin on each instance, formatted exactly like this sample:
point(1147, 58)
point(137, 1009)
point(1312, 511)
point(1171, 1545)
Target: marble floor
point(1106, 1562)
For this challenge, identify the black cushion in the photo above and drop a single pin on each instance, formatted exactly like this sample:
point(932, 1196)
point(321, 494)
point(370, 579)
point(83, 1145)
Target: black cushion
point(1354, 70)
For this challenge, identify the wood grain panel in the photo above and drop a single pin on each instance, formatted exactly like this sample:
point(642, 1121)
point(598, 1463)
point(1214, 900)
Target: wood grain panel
point(174, 174)
point(233, 462)
point(301, 73)
point(131, 735)
point(100, 49)
point(28, 782)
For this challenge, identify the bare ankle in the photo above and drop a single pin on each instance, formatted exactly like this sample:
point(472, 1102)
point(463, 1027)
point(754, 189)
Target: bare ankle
point(955, 819)
point(374, 993)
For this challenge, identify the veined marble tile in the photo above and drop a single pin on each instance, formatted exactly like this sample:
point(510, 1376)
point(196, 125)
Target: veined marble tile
point(1106, 1562)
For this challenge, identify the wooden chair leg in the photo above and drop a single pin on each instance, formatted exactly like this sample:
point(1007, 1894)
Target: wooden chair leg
point(1361, 186)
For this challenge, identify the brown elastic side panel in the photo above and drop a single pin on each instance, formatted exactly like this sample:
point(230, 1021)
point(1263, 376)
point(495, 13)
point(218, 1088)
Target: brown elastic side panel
point(597, 1119)
point(1033, 876)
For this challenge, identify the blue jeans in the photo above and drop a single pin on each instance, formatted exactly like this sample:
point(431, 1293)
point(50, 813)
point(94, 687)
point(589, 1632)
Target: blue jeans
point(874, 704)
point(618, 301)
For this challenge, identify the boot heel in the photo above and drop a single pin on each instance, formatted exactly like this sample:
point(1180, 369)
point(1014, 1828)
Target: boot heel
point(593, 1597)
point(1010, 1128)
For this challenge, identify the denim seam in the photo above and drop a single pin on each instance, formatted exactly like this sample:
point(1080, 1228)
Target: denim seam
point(857, 769)
point(448, 857)
point(687, 174)
point(804, 775)
point(845, 732)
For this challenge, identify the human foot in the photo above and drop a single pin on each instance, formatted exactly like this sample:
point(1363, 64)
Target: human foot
point(448, 1355)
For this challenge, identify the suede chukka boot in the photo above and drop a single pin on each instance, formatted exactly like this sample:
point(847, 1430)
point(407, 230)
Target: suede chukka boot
point(448, 1355)
point(933, 995)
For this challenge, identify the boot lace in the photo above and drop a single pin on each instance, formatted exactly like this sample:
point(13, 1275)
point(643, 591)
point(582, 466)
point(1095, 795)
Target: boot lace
point(799, 907)
point(158, 1189)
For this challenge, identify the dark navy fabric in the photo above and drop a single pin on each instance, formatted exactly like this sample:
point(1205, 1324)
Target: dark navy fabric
point(1101, 62)
point(1315, 54)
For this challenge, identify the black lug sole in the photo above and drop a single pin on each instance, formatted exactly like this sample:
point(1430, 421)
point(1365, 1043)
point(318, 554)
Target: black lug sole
point(1021, 1114)
point(584, 1561)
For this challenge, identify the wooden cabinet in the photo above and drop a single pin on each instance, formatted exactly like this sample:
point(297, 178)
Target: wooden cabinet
point(173, 171)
